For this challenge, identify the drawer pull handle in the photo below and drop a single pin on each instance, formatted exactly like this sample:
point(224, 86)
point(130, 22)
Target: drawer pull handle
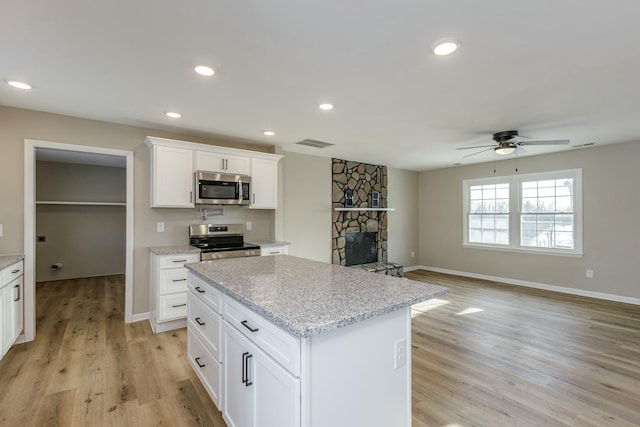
point(179, 280)
point(245, 368)
point(200, 290)
point(274, 252)
point(180, 260)
point(199, 322)
point(18, 297)
point(246, 325)
point(202, 365)
point(179, 305)
point(15, 271)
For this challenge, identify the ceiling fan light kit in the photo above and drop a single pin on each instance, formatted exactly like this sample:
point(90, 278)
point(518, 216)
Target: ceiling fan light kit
point(504, 150)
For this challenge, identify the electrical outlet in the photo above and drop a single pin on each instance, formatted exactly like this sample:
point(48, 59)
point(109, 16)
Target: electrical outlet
point(589, 274)
point(249, 225)
point(400, 354)
point(160, 227)
point(413, 254)
point(0, 230)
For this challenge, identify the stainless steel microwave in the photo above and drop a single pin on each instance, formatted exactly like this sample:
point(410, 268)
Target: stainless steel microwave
point(222, 189)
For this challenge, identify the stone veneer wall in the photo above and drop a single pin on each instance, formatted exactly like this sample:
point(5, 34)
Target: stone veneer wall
point(361, 178)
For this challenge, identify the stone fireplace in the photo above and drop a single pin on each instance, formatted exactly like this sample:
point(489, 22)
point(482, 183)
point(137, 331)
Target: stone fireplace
point(362, 179)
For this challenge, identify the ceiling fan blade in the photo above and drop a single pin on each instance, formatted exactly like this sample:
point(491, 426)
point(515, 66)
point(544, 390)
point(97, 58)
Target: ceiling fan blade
point(550, 142)
point(520, 151)
point(477, 146)
point(473, 154)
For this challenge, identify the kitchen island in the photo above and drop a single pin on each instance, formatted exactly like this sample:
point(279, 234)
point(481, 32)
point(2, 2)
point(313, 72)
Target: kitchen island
point(285, 341)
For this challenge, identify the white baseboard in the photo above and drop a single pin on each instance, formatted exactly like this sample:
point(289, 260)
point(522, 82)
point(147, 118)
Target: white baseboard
point(414, 267)
point(140, 316)
point(535, 285)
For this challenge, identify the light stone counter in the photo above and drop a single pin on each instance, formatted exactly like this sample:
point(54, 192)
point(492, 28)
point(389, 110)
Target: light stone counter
point(174, 250)
point(7, 260)
point(308, 297)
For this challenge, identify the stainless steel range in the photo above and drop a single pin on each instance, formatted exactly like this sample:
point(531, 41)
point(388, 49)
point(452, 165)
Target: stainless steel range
point(217, 241)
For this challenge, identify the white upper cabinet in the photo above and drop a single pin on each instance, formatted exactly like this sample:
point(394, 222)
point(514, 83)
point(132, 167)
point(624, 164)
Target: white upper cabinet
point(223, 163)
point(173, 164)
point(264, 184)
point(171, 177)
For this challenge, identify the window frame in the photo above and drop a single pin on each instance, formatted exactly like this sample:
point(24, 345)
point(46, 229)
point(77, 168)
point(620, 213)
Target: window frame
point(515, 212)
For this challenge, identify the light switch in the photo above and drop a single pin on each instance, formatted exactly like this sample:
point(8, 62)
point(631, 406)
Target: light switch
point(0, 230)
point(249, 225)
point(160, 227)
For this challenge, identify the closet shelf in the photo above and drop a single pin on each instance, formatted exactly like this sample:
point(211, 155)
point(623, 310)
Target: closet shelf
point(58, 202)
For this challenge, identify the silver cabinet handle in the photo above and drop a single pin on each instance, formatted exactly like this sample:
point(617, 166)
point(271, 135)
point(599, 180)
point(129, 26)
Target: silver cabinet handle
point(178, 305)
point(180, 260)
point(179, 280)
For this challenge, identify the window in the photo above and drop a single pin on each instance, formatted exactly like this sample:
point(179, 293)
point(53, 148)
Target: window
point(533, 212)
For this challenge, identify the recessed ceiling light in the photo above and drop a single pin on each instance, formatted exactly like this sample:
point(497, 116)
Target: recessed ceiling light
point(325, 107)
point(445, 46)
point(269, 132)
point(173, 115)
point(19, 85)
point(203, 70)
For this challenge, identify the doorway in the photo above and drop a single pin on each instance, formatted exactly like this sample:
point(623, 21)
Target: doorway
point(80, 151)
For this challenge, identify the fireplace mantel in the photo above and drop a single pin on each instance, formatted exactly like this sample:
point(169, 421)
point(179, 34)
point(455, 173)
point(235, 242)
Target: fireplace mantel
point(364, 209)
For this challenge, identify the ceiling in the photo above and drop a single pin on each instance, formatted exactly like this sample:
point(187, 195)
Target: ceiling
point(551, 69)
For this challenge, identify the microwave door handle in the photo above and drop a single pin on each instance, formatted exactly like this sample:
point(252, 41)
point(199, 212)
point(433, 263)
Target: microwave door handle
point(240, 190)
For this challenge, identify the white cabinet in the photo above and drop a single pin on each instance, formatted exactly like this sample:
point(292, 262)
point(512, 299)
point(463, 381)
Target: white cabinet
point(11, 303)
point(172, 177)
point(173, 164)
point(264, 183)
point(258, 391)
point(274, 250)
point(205, 337)
point(169, 290)
point(225, 163)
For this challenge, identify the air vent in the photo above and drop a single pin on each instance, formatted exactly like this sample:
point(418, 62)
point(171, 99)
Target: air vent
point(314, 143)
point(588, 144)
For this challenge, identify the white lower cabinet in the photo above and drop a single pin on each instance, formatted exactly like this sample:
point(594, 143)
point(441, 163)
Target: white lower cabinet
point(258, 391)
point(169, 290)
point(11, 305)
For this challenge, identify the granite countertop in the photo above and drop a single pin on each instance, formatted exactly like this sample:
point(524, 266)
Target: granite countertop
point(174, 250)
point(308, 297)
point(7, 260)
point(267, 243)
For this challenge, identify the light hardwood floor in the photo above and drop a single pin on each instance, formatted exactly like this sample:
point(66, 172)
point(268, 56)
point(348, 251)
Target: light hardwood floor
point(486, 354)
point(490, 354)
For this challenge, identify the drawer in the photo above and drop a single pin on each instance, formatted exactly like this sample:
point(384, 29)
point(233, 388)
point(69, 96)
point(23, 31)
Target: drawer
point(177, 261)
point(172, 306)
point(172, 281)
point(11, 272)
point(206, 292)
point(205, 366)
point(206, 323)
point(280, 345)
point(273, 250)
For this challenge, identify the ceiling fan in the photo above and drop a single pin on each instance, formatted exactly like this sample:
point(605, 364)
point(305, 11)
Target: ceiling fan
point(509, 141)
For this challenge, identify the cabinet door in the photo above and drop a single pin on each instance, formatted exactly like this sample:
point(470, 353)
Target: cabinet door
point(224, 163)
point(264, 184)
point(210, 162)
point(258, 392)
point(172, 178)
point(7, 317)
point(238, 165)
point(18, 307)
point(238, 391)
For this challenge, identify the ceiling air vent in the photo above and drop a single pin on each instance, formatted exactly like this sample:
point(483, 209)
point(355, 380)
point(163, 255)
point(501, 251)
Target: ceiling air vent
point(314, 143)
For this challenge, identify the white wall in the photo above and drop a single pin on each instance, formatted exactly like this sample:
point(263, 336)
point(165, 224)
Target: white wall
point(611, 224)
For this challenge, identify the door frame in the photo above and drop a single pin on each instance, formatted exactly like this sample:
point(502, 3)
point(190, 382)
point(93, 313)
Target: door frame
point(30, 146)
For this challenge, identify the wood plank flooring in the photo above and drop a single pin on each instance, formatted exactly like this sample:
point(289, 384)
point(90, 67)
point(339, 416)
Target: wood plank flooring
point(87, 368)
point(490, 354)
point(486, 354)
